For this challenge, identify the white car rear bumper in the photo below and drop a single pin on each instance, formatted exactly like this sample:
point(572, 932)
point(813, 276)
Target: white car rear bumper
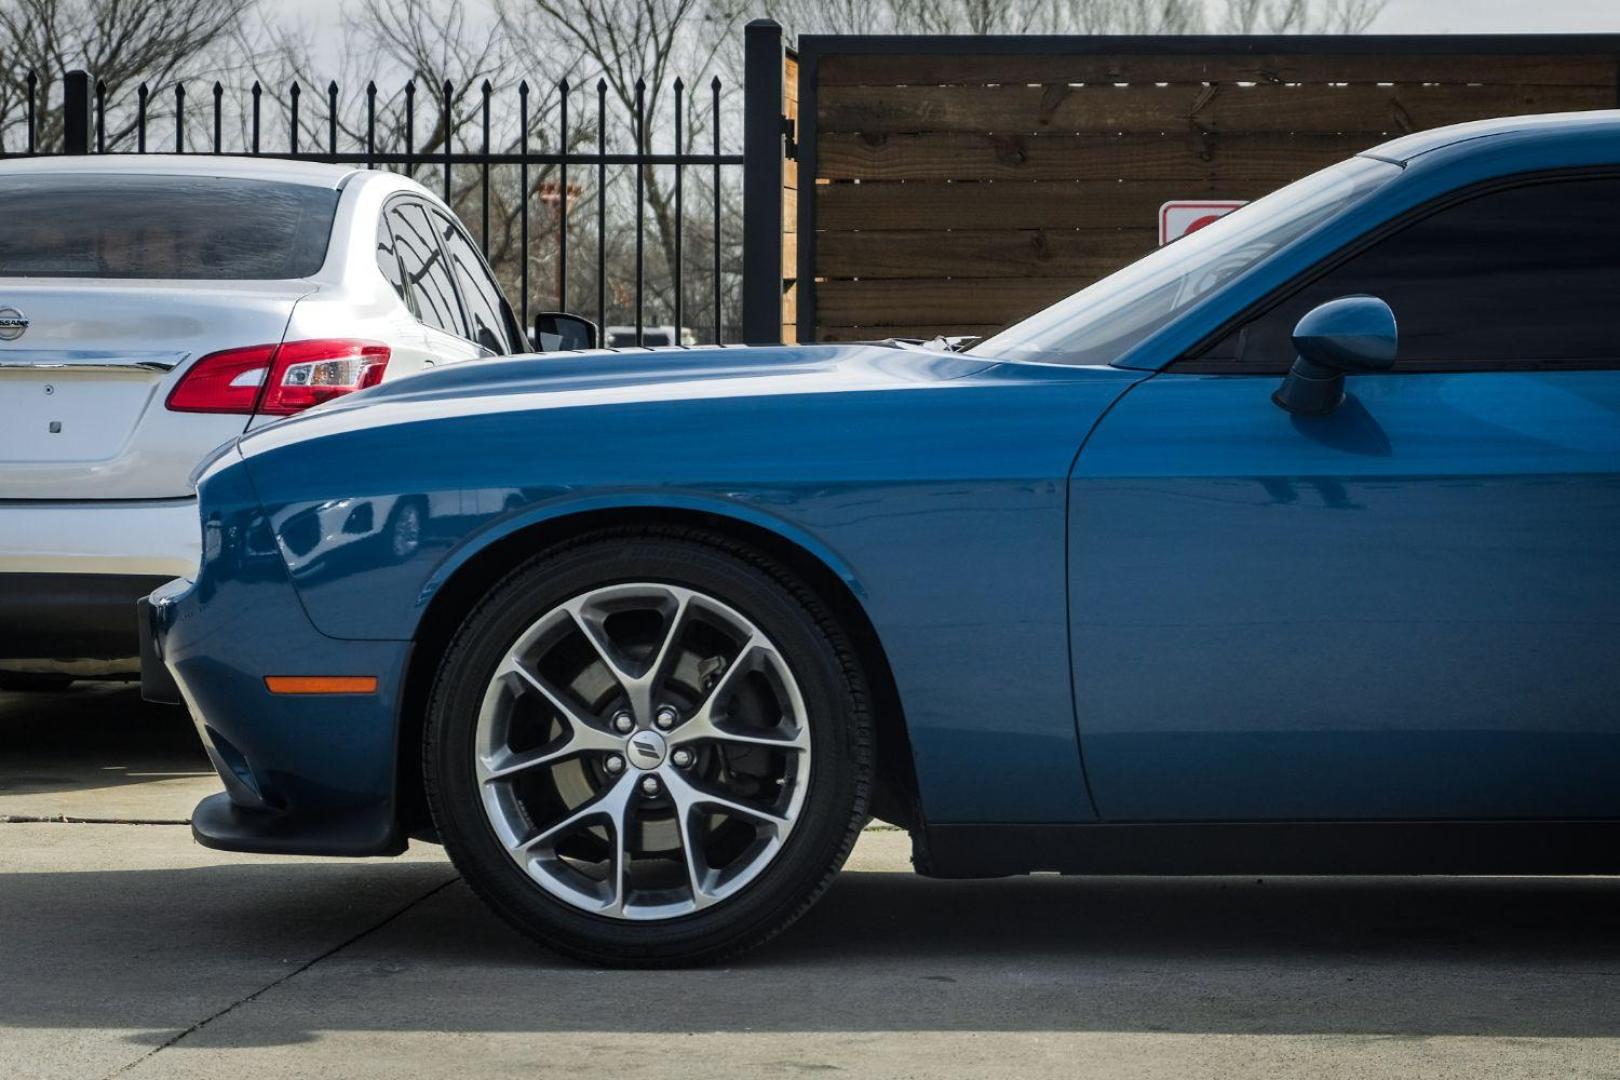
point(146, 537)
point(71, 572)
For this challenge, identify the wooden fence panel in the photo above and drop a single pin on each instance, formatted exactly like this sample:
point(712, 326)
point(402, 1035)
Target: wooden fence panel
point(1034, 252)
point(970, 69)
point(1274, 157)
point(790, 206)
point(1386, 110)
point(1012, 204)
point(955, 188)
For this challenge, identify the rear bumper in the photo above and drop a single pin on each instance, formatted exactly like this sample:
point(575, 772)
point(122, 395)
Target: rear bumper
point(148, 538)
point(70, 573)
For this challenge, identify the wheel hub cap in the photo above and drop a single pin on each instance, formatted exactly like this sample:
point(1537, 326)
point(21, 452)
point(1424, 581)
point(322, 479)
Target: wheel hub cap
point(646, 750)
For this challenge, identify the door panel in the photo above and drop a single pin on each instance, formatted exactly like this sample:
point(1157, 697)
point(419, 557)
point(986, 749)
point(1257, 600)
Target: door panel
point(1407, 609)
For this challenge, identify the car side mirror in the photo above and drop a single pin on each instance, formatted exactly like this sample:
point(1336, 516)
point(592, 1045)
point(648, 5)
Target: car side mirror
point(559, 331)
point(1348, 335)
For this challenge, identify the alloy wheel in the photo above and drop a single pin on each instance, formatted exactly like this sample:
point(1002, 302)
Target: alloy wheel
point(642, 751)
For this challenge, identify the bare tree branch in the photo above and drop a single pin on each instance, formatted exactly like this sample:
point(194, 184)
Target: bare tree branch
point(122, 42)
point(1299, 16)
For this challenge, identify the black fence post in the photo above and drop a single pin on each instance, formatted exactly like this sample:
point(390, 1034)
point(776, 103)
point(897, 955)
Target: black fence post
point(762, 184)
point(76, 104)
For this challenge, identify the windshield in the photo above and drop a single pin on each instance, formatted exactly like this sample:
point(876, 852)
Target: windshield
point(105, 225)
point(1098, 324)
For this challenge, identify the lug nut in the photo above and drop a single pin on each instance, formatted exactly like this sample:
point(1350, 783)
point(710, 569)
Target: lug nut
point(623, 722)
point(614, 764)
point(649, 786)
point(666, 717)
point(682, 758)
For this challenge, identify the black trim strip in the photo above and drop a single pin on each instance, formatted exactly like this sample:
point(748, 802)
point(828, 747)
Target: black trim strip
point(1204, 44)
point(1384, 847)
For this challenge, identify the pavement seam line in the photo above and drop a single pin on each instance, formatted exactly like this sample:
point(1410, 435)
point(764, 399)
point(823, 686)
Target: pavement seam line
point(265, 989)
point(65, 819)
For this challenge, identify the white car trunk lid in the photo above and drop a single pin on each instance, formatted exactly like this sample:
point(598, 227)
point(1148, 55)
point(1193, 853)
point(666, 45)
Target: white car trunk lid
point(82, 388)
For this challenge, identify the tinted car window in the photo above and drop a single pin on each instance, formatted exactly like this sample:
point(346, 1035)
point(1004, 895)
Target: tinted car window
point(114, 225)
point(484, 303)
point(388, 260)
point(1518, 277)
point(427, 271)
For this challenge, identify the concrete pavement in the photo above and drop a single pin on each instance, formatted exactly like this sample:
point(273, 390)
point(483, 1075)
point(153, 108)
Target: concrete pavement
point(99, 752)
point(126, 950)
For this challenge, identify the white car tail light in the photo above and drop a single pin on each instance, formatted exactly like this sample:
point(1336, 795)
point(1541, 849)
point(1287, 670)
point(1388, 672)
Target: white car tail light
point(223, 382)
point(279, 380)
point(307, 373)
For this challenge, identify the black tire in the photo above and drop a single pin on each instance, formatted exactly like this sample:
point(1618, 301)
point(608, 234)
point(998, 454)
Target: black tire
point(823, 663)
point(34, 682)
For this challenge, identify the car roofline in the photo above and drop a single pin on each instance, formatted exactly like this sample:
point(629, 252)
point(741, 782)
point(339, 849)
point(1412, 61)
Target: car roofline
point(272, 169)
point(1406, 149)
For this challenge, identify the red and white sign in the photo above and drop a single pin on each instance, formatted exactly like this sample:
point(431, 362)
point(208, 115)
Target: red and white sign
point(1177, 219)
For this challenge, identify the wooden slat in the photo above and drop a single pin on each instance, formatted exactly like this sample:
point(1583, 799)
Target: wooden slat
point(921, 301)
point(1010, 204)
point(1540, 69)
point(1018, 109)
point(790, 208)
point(1273, 156)
point(790, 252)
point(1024, 253)
point(869, 333)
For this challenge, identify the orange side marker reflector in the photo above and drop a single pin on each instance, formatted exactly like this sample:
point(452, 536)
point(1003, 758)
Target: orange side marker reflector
point(321, 684)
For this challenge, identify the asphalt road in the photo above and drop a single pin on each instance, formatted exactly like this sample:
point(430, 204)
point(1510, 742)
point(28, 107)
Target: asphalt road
point(126, 950)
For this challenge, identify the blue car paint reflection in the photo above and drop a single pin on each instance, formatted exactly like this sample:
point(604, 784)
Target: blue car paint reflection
point(1105, 593)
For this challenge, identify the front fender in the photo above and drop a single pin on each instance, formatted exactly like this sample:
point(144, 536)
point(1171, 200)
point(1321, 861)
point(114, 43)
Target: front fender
point(498, 527)
point(942, 503)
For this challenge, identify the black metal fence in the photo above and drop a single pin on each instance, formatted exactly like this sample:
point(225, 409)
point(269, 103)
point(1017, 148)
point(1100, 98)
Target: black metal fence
point(285, 126)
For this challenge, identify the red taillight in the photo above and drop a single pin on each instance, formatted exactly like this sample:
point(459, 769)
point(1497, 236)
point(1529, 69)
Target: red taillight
point(307, 373)
point(224, 382)
point(279, 380)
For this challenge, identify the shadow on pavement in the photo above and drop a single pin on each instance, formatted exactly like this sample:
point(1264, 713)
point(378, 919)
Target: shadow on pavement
point(95, 735)
point(882, 952)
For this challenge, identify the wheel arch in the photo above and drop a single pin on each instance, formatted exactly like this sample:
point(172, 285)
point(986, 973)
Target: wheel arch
point(458, 588)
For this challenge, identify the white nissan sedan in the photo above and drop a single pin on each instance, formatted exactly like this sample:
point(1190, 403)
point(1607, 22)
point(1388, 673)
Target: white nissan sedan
point(151, 309)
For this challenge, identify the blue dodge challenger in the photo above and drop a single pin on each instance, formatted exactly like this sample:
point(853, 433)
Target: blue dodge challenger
point(1293, 547)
